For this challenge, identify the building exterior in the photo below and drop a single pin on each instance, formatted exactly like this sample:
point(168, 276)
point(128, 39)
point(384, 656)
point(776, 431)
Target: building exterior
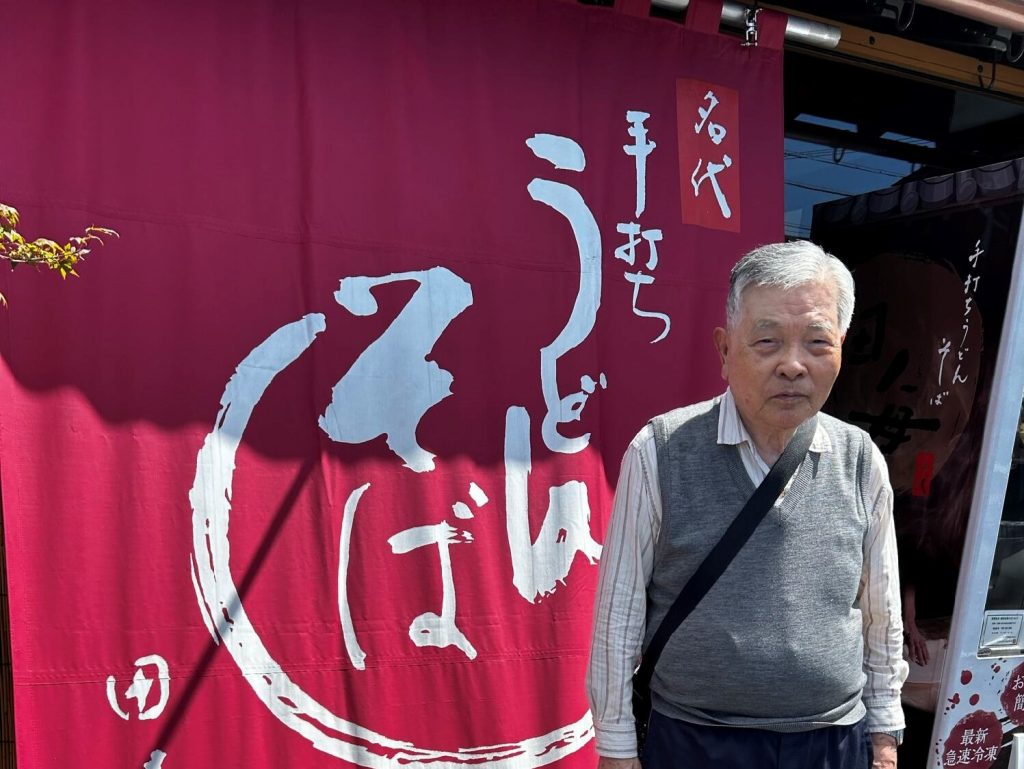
point(526, 228)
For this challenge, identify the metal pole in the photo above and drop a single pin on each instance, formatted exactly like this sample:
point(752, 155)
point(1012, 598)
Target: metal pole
point(798, 30)
point(999, 13)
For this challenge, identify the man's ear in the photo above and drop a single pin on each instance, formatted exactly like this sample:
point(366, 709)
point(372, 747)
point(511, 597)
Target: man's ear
point(721, 337)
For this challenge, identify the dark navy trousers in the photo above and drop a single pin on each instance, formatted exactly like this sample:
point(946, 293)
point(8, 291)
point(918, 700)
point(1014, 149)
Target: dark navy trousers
point(673, 744)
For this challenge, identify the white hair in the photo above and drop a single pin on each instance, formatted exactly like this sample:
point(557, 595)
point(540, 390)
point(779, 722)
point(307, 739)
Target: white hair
point(788, 265)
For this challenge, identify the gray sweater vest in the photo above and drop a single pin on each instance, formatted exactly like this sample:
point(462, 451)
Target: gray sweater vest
point(777, 643)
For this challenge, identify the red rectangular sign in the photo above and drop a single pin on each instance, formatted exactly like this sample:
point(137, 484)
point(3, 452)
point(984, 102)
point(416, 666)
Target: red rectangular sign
point(710, 162)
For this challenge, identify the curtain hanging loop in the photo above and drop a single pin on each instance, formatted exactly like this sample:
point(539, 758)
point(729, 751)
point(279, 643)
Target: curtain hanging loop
point(750, 27)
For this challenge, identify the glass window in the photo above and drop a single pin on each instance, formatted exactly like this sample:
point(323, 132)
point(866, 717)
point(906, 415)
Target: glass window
point(819, 172)
point(1002, 632)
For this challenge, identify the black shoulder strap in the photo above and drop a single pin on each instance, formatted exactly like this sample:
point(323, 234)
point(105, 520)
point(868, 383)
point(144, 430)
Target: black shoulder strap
point(735, 537)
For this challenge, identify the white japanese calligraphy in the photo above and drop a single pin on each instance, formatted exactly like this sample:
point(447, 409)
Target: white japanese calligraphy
point(538, 567)
point(355, 414)
point(141, 686)
point(640, 149)
point(627, 251)
point(567, 201)
point(641, 279)
point(712, 170)
point(348, 631)
point(430, 629)
point(715, 130)
point(218, 597)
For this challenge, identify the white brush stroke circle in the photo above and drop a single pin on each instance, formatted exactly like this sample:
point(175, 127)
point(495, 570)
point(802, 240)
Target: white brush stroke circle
point(210, 497)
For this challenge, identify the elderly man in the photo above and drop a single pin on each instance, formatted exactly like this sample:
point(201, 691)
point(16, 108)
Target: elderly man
point(793, 659)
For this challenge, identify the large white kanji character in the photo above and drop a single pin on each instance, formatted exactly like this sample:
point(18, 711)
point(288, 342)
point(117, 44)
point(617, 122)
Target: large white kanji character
point(640, 149)
point(140, 687)
point(715, 130)
point(978, 251)
point(711, 173)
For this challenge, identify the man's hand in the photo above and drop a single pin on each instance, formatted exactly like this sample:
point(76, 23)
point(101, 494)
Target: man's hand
point(884, 748)
point(916, 646)
point(621, 763)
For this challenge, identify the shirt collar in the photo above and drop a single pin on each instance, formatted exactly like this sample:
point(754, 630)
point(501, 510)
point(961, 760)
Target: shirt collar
point(732, 431)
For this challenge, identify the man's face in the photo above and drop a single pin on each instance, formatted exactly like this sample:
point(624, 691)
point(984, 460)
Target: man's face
point(782, 355)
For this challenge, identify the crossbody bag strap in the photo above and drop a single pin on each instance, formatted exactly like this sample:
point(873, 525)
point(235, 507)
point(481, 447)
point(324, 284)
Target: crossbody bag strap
point(735, 537)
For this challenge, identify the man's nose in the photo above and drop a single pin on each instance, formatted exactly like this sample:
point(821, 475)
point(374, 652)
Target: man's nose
point(792, 364)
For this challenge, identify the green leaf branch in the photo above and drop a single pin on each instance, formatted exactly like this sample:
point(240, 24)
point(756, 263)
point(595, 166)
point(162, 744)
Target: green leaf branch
point(43, 252)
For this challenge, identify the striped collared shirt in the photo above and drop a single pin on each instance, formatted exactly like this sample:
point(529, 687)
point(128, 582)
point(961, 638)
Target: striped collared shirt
point(619, 612)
